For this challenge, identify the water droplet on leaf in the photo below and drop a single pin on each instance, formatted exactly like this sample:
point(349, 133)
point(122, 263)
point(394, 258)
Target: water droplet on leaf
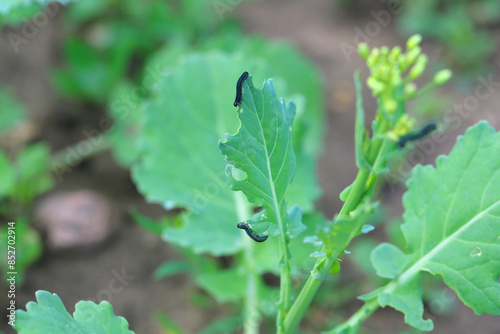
point(476, 252)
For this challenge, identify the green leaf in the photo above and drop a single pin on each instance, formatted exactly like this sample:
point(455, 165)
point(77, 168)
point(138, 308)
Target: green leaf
point(28, 248)
point(262, 149)
point(224, 285)
point(168, 325)
point(180, 164)
point(301, 77)
point(171, 268)
point(50, 316)
point(292, 73)
point(12, 111)
point(33, 175)
point(360, 257)
point(149, 224)
point(124, 136)
point(180, 132)
point(7, 178)
point(90, 73)
point(452, 224)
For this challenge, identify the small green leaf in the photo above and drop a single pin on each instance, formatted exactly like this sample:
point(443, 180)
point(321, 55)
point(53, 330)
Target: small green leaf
point(28, 248)
point(12, 110)
point(171, 268)
point(33, 176)
point(224, 285)
point(49, 315)
point(335, 269)
point(452, 224)
point(7, 178)
point(149, 224)
point(390, 258)
point(407, 298)
point(168, 325)
point(359, 256)
point(124, 136)
point(296, 227)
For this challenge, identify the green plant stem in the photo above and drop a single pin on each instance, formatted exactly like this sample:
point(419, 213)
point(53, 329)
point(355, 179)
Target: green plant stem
point(252, 316)
point(322, 267)
point(285, 281)
point(71, 156)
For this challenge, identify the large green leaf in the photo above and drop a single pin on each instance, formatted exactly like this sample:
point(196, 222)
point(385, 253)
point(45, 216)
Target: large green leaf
point(452, 224)
point(294, 77)
point(262, 149)
point(50, 316)
point(181, 165)
point(301, 77)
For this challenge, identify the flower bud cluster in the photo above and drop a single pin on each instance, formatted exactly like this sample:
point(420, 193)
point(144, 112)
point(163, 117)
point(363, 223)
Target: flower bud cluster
point(392, 76)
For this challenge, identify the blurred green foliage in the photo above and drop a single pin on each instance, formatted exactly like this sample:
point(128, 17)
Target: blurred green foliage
point(109, 40)
point(465, 28)
point(24, 174)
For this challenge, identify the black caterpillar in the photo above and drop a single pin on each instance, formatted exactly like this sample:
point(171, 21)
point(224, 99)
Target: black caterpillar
point(239, 89)
point(422, 133)
point(251, 234)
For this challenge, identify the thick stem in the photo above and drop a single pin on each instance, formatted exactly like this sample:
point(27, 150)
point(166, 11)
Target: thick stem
point(307, 293)
point(252, 316)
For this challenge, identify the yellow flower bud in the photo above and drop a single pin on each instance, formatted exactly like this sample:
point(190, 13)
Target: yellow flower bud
point(419, 67)
point(410, 90)
point(412, 55)
point(394, 54)
point(413, 41)
point(363, 50)
point(375, 85)
point(442, 77)
point(390, 106)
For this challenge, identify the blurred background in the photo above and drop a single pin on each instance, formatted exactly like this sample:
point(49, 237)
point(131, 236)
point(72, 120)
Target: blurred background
point(74, 80)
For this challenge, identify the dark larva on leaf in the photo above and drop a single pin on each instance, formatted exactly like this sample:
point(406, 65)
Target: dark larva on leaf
point(239, 88)
point(251, 234)
point(416, 136)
